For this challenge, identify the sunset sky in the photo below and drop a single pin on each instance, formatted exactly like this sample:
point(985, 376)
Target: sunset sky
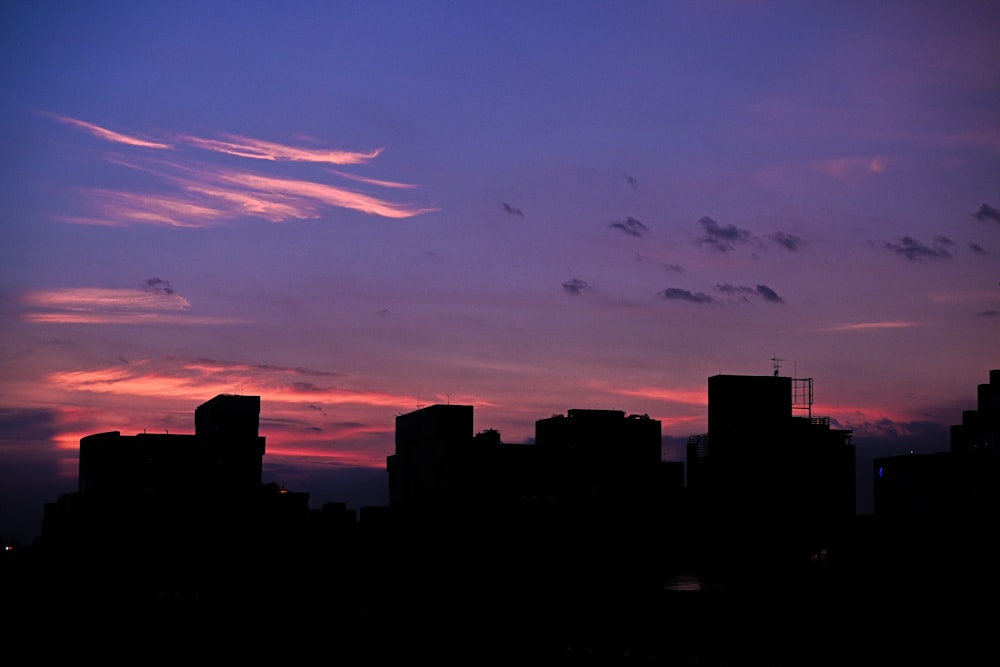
point(352, 209)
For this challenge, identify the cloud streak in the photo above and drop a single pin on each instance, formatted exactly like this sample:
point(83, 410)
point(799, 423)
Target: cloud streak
point(200, 195)
point(869, 326)
point(762, 291)
point(513, 210)
point(912, 249)
point(156, 302)
point(258, 149)
point(576, 286)
point(722, 237)
point(97, 298)
point(987, 213)
point(630, 226)
point(109, 135)
point(787, 241)
point(678, 294)
point(194, 380)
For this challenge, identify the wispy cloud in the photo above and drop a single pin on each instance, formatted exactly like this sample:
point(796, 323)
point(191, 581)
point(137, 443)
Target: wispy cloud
point(787, 241)
point(911, 248)
point(630, 226)
point(195, 194)
point(868, 326)
point(762, 291)
point(678, 294)
point(666, 266)
point(156, 302)
point(195, 380)
point(722, 237)
point(695, 397)
point(513, 210)
point(987, 213)
point(258, 149)
point(320, 193)
point(97, 298)
point(374, 181)
point(109, 135)
point(576, 286)
point(850, 166)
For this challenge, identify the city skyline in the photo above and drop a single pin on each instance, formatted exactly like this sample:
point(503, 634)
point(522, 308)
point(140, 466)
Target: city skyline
point(356, 210)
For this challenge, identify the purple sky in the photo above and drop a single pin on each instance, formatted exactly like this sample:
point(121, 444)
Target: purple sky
point(355, 208)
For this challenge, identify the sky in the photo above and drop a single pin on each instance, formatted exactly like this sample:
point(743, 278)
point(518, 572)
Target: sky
point(354, 209)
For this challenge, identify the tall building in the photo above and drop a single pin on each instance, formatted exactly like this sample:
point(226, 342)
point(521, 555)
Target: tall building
point(429, 471)
point(592, 461)
point(602, 461)
point(160, 523)
point(960, 484)
point(224, 456)
point(581, 506)
point(769, 483)
point(933, 526)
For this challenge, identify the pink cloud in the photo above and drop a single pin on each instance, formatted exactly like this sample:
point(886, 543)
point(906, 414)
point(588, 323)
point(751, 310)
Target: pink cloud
point(108, 135)
point(197, 380)
point(95, 305)
point(258, 149)
point(321, 193)
point(865, 326)
point(97, 298)
point(850, 166)
point(374, 181)
point(696, 397)
point(119, 208)
point(208, 195)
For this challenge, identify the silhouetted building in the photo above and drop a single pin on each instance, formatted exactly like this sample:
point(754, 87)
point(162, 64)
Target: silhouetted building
point(561, 551)
point(430, 470)
point(162, 528)
point(223, 456)
point(592, 462)
point(602, 460)
point(581, 506)
point(933, 529)
point(960, 484)
point(768, 487)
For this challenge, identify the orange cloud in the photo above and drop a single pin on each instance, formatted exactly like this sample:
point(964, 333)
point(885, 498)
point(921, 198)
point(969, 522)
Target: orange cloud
point(97, 298)
point(697, 397)
point(326, 454)
point(197, 380)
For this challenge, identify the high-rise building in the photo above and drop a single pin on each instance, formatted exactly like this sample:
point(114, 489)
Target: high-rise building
point(960, 484)
point(768, 487)
point(223, 456)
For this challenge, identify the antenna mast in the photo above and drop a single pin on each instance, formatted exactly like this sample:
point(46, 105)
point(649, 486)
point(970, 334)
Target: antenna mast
point(777, 364)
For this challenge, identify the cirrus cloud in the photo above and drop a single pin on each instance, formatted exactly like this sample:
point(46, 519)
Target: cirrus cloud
point(192, 193)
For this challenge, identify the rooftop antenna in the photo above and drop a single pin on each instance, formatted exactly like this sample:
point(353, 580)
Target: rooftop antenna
point(777, 364)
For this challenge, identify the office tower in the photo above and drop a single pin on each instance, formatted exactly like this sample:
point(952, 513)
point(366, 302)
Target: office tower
point(769, 483)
